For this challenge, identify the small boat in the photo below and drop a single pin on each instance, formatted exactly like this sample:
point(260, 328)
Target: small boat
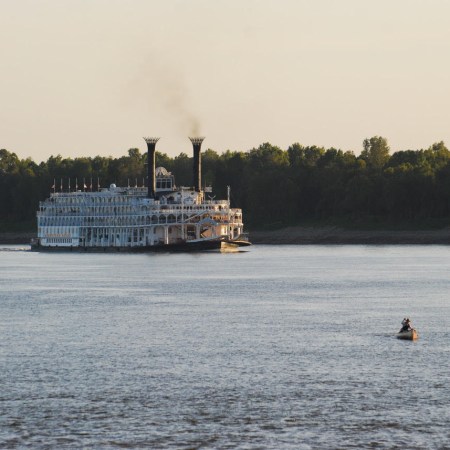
point(410, 335)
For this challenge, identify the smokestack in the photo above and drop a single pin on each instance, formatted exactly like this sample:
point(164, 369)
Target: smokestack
point(197, 144)
point(151, 163)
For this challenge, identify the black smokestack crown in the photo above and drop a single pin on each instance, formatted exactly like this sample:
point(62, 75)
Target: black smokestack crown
point(197, 144)
point(151, 163)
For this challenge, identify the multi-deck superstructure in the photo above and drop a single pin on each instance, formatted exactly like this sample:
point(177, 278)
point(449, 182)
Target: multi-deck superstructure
point(160, 216)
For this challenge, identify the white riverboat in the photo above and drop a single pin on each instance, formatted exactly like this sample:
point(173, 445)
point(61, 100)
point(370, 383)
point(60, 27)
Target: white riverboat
point(160, 216)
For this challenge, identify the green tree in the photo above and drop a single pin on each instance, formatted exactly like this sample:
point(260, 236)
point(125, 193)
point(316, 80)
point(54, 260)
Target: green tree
point(375, 152)
point(182, 168)
point(438, 155)
point(8, 161)
point(210, 160)
point(268, 156)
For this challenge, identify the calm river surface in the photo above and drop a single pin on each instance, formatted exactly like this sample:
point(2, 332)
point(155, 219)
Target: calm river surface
point(275, 347)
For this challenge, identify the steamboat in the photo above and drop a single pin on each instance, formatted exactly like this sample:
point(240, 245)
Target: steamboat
point(160, 217)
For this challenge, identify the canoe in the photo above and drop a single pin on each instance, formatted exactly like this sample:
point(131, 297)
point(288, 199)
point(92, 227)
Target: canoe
point(410, 335)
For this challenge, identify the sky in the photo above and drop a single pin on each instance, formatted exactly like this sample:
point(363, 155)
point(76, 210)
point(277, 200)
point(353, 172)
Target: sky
point(92, 77)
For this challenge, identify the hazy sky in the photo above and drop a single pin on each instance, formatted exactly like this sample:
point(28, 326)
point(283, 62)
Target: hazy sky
point(88, 77)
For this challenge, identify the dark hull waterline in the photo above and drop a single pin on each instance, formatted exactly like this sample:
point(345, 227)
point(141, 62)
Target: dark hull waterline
point(197, 246)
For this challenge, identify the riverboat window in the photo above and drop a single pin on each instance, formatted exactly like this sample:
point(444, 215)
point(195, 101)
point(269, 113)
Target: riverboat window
point(164, 183)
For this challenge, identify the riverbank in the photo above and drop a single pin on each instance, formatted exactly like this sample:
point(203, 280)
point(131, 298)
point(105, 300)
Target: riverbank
point(312, 236)
point(20, 238)
point(339, 236)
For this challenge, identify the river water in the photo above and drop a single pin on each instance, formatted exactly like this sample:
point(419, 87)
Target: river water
point(276, 347)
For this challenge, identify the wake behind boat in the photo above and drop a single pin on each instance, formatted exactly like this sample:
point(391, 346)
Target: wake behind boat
point(161, 217)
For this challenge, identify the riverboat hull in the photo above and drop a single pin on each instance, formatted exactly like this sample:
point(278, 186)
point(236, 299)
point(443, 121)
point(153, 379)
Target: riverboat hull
point(221, 245)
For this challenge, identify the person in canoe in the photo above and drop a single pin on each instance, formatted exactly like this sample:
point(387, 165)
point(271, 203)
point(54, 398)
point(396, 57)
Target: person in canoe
point(406, 325)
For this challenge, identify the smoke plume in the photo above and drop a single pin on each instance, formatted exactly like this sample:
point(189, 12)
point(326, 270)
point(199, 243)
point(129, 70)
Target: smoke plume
point(165, 92)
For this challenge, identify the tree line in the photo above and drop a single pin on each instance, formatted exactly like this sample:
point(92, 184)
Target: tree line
point(274, 187)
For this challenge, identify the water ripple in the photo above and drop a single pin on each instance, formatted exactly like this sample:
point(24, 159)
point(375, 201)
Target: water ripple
point(277, 348)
